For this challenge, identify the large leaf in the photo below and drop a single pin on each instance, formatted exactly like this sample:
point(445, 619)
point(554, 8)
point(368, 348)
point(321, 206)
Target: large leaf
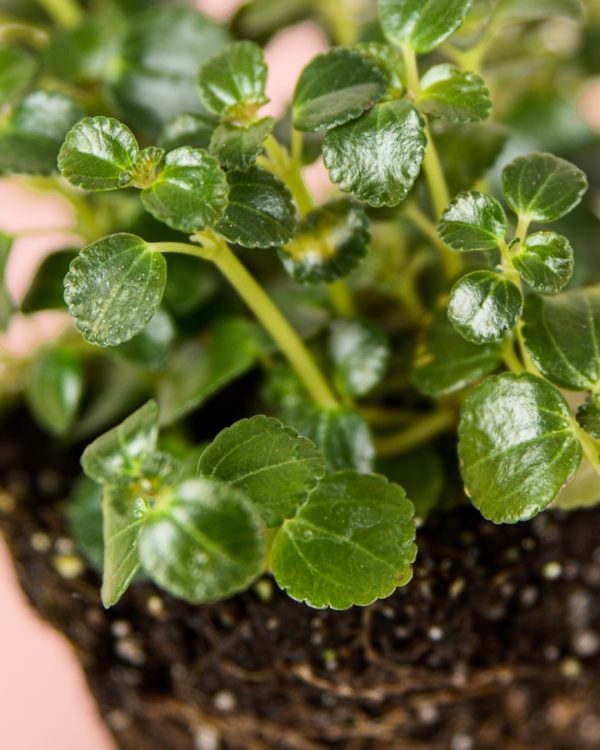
point(517, 446)
point(114, 287)
point(206, 543)
point(239, 146)
point(422, 25)
point(473, 221)
point(55, 389)
point(352, 543)
point(360, 353)
point(274, 466)
point(18, 68)
point(545, 261)
point(378, 157)
point(6, 303)
point(336, 87)
point(562, 335)
point(543, 187)
point(454, 95)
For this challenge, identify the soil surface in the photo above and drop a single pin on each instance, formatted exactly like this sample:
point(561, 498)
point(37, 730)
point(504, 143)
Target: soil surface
point(495, 645)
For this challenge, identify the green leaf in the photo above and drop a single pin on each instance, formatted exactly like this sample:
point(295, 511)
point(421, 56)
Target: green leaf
point(352, 543)
point(537, 10)
point(232, 83)
point(543, 187)
point(187, 129)
point(390, 61)
point(360, 354)
point(260, 19)
point(377, 157)
point(545, 261)
point(330, 242)
point(190, 191)
point(473, 221)
point(7, 305)
point(99, 153)
point(114, 287)
point(422, 25)
point(272, 465)
point(588, 416)
point(55, 389)
point(46, 291)
point(205, 544)
point(84, 513)
point(341, 434)
point(421, 473)
point(562, 335)
point(484, 307)
point(260, 211)
point(446, 362)
point(239, 146)
point(31, 136)
point(18, 69)
point(517, 446)
point(336, 87)
point(151, 348)
point(454, 95)
point(121, 452)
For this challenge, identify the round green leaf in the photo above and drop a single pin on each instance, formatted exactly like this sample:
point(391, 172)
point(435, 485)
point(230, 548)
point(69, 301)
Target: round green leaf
point(330, 242)
point(232, 83)
point(187, 129)
point(562, 335)
point(17, 71)
point(113, 288)
point(260, 211)
point(274, 466)
point(588, 416)
point(360, 353)
point(377, 157)
point(99, 153)
point(483, 306)
point(545, 261)
point(517, 446)
point(205, 544)
point(336, 87)
point(352, 543)
point(454, 95)
point(390, 61)
point(55, 389)
point(473, 221)
point(239, 146)
point(543, 187)
point(423, 25)
point(190, 191)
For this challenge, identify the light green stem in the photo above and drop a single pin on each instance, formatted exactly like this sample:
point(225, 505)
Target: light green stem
point(420, 433)
point(66, 13)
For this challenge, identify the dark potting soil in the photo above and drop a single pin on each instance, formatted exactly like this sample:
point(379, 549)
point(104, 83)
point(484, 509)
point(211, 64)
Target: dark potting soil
point(494, 645)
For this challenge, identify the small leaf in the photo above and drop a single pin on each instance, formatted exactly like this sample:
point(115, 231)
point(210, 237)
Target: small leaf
point(360, 353)
point(352, 543)
point(55, 389)
point(330, 242)
point(272, 465)
point(545, 261)
point(239, 146)
point(232, 83)
point(446, 362)
point(260, 212)
point(205, 544)
point(423, 25)
point(7, 305)
point(543, 187)
point(151, 348)
point(114, 287)
point(484, 307)
point(390, 61)
point(562, 335)
point(187, 130)
point(18, 69)
point(336, 87)
point(588, 416)
point(84, 513)
point(121, 451)
point(377, 157)
point(473, 221)
point(454, 95)
point(190, 191)
point(517, 446)
point(99, 153)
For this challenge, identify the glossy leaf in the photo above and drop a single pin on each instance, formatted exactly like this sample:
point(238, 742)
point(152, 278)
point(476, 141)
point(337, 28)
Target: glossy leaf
point(545, 261)
point(517, 446)
point(423, 25)
point(114, 287)
point(187, 129)
point(543, 187)
point(377, 157)
point(330, 242)
point(6, 302)
point(190, 191)
point(473, 221)
point(55, 389)
point(390, 61)
point(18, 68)
point(205, 544)
point(260, 211)
point(360, 354)
point(484, 307)
point(232, 83)
point(336, 87)
point(352, 543)
point(562, 335)
point(588, 416)
point(273, 466)
point(454, 95)
point(46, 291)
point(239, 146)
point(446, 362)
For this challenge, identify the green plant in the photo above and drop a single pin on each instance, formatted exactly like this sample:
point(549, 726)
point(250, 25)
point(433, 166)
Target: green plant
point(368, 313)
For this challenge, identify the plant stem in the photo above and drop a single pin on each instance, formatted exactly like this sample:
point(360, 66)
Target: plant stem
point(420, 433)
point(510, 358)
point(341, 298)
point(66, 13)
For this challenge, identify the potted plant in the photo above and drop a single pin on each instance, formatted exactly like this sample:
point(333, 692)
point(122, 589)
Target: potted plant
point(283, 406)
